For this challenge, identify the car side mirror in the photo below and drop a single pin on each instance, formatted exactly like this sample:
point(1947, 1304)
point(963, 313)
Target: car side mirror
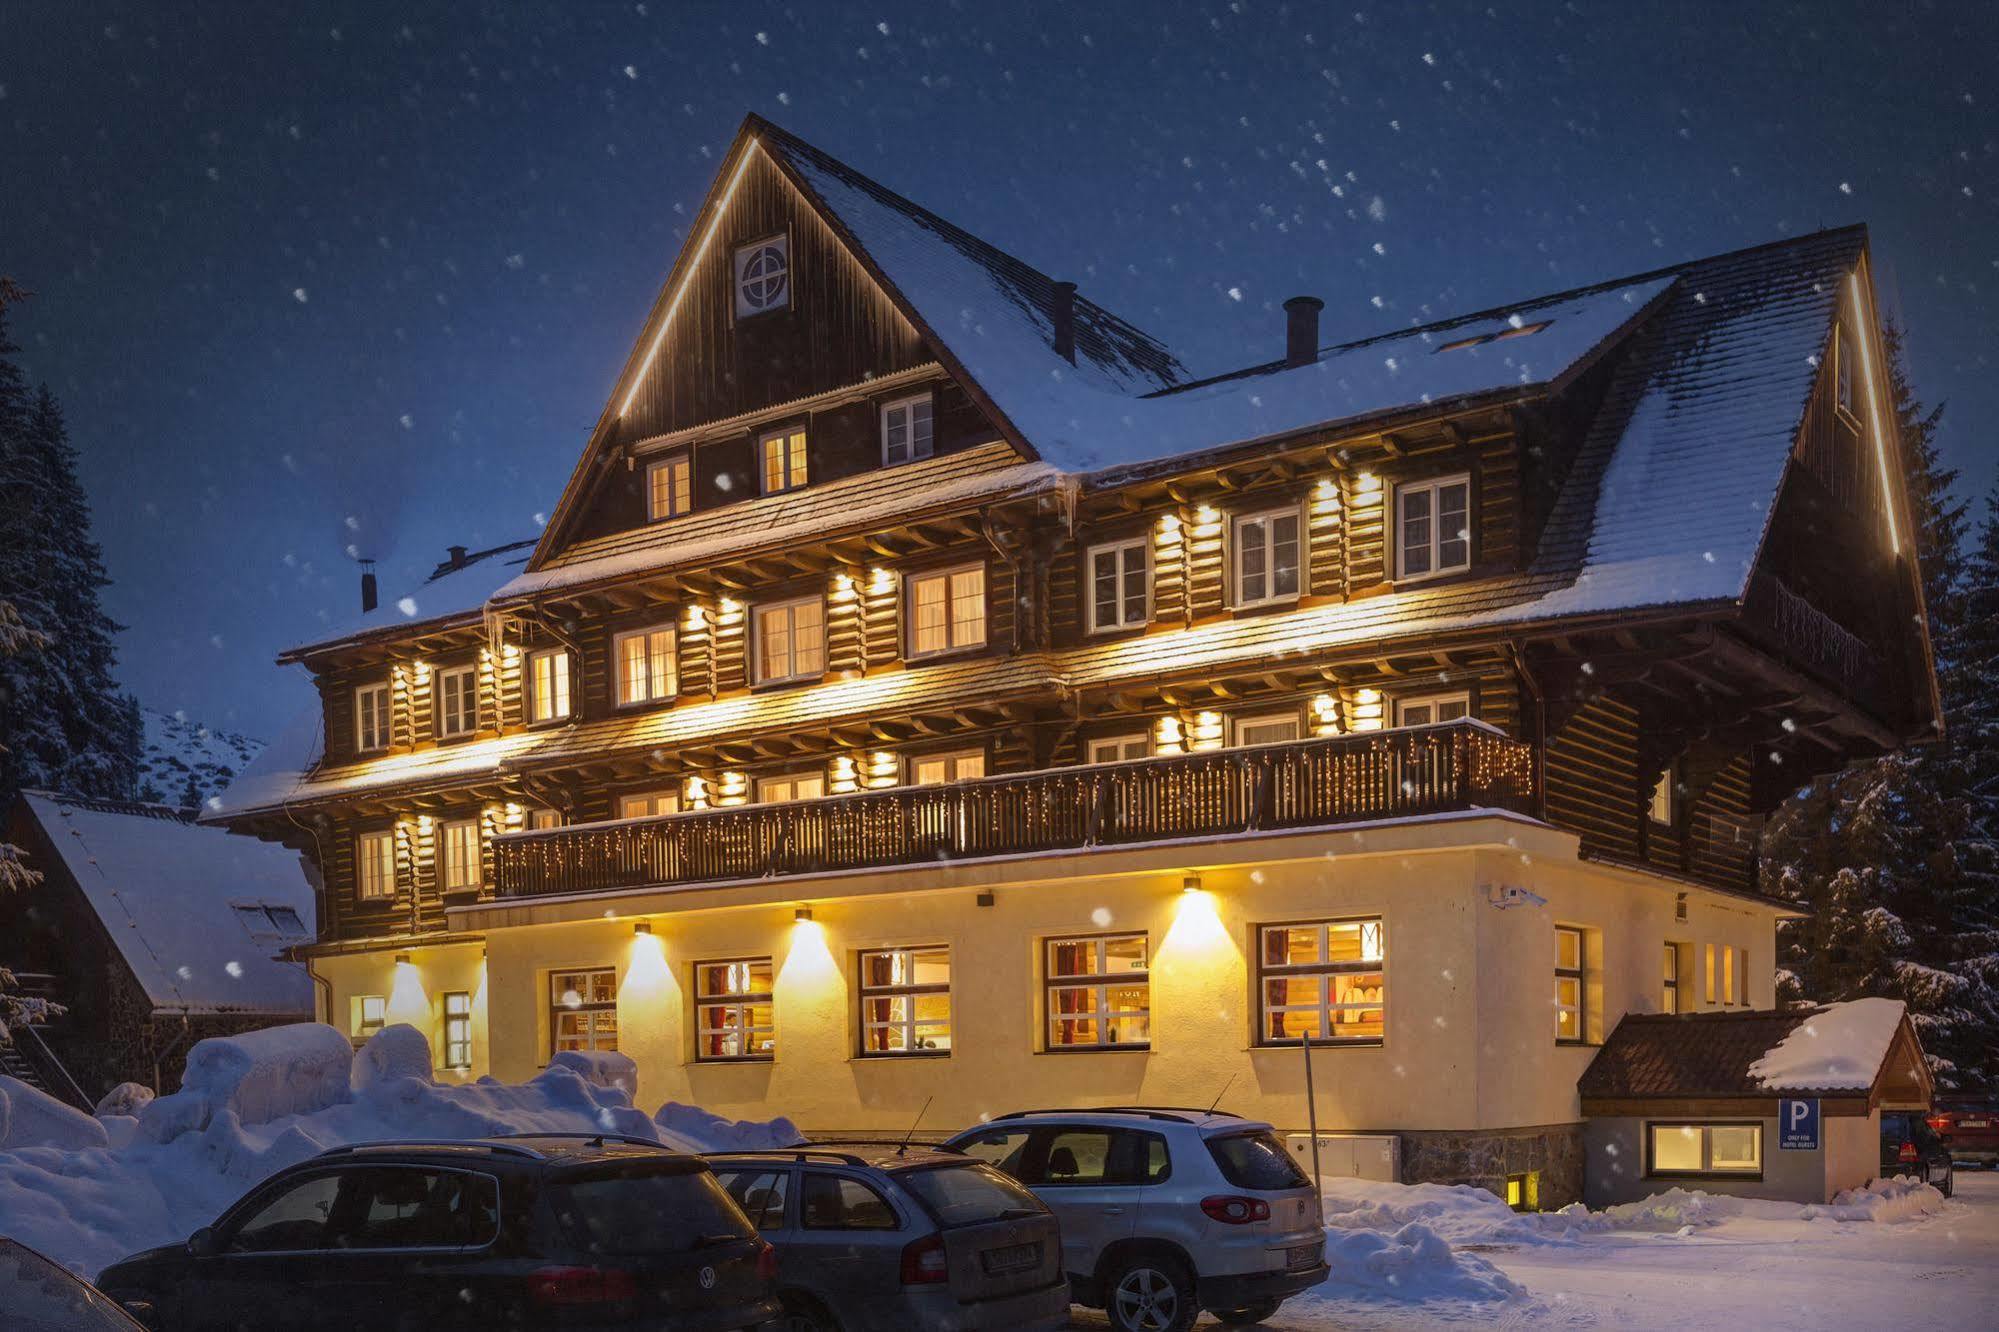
point(202, 1243)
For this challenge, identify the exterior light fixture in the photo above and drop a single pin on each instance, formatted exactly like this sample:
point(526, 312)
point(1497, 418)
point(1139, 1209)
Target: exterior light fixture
point(642, 927)
point(403, 959)
point(985, 899)
point(802, 914)
point(1190, 882)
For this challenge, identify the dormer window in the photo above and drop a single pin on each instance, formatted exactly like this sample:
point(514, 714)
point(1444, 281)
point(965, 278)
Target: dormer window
point(371, 718)
point(1432, 527)
point(906, 434)
point(763, 276)
point(669, 487)
point(781, 456)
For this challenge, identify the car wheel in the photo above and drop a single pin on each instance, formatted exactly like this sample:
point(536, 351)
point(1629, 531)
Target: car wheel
point(1152, 1294)
point(1254, 1312)
point(1949, 1182)
point(802, 1313)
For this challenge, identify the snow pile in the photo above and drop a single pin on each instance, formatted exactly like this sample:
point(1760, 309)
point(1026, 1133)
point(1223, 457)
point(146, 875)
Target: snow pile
point(1902, 1198)
point(683, 1125)
point(1413, 1264)
point(1460, 1213)
point(1840, 1046)
point(599, 1068)
point(29, 1115)
point(257, 1103)
point(125, 1099)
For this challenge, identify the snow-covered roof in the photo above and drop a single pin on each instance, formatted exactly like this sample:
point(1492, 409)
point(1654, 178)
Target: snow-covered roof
point(1838, 1046)
point(198, 914)
point(453, 591)
point(275, 774)
point(1831, 1050)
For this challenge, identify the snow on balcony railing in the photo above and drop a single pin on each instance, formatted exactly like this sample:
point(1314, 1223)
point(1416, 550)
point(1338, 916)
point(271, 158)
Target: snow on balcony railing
point(1312, 783)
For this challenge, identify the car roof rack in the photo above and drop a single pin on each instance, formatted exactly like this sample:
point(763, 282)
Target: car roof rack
point(1175, 1113)
point(795, 1154)
point(600, 1139)
point(435, 1145)
point(894, 1147)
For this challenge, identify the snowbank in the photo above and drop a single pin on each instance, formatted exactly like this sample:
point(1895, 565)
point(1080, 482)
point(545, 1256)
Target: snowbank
point(1414, 1263)
point(397, 1051)
point(600, 1068)
point(1459, 1213)
point(126, 1099)
point(258, 1103)
point(30, 1116)
point(1840, 1046)
point(1887, 1200)
point(684, 1125)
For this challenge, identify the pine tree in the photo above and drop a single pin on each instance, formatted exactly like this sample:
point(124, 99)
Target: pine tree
point(1894, 857)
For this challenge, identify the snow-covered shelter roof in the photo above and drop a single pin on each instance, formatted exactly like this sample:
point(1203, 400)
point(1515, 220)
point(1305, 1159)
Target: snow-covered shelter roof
point(1843, 1049)
point(198, 914)
point(453, 591)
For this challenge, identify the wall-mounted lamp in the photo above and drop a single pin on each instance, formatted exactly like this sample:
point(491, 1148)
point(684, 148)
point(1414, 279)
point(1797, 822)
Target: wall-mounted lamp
point(402, 959)
point(985, 898)
point(1190, 882)
point(642, 927)
point(803, 913)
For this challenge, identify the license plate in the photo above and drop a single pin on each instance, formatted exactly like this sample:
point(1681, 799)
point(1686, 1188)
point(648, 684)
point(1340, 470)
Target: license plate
point(1012, 1258)
point(1304, 1256)
point(1974, 1123)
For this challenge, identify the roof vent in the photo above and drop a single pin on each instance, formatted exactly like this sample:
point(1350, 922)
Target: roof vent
point(1063, 315)
point(368, 594)
point(1301, 330)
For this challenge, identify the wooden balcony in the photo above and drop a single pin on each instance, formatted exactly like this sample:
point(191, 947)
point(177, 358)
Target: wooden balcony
point(1307, 784)
point(1780, 619)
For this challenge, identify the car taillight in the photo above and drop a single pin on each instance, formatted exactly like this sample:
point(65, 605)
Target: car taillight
point(767, 1262)
point(1941, 1123)
point(1908, 1152)
point(923, 1262)
point(1236, 1211)
point(566, 1287)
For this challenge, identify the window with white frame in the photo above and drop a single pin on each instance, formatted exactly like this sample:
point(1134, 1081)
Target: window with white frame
point(791, 640)
point(1099, 992)
point(906, 429)
point(1704, 1149)
point(1669, 992)
point(648, 804)
point(548, 685)
point(763, 276)
point(583, 1009)
point(647, 669)
point(375, 865)
point(1571, 951)
point(1432, 527)
point(947, 610)
point(368, 1014)
point(733, 1013)
point(458, 866)
point(1429, 709)
point(457, 1029)
point(1266, 728)
point(457, 702)
point(781, 460)
point(788, 786)
point(938, 769)
point(905, 1001)
point(371, 717)
point(1324, 979)
point(1120, 748)
point(670, 487)
point(1267, 554)
point(541, 818)
point(1120, 585)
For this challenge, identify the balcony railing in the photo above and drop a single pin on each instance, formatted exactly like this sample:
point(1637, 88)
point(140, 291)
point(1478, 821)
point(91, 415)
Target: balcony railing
point(1312, 783)
point(1781, 619)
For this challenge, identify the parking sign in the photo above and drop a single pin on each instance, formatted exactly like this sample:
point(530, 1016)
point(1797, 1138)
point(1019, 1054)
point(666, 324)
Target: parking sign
point(1798, 1126)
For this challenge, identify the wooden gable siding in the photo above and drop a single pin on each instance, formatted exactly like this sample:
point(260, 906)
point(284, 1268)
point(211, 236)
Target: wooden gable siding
point(1591, 778)
point(1831, 444)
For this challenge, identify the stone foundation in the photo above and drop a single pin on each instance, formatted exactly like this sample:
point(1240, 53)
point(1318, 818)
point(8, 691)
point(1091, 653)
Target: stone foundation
point(1484, 1158)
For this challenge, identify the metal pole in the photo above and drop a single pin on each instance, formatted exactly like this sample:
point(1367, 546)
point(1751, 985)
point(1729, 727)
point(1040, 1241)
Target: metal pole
point(1312, 1122)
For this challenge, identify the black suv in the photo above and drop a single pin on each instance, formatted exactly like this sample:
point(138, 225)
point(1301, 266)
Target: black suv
point(1909, 1146)
point(528, 1231)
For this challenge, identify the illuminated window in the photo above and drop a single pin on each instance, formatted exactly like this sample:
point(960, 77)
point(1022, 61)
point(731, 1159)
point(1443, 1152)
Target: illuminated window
point(458, 855)
point(1663, 807)
point(1323, 979)
point(733, 1016)
point(906, 1001)
point(1704, 1149)
point(937, 769)
point(790, 786)
point(371, 717)
point(1708, 982)
point(783, 460)
point(1121, 748)
point(1099, 992)
point(1842, 364)
point(1266, 553)
point(906, 430)
point(375, 865)
point(647, 671)
point(1570, 951)
point(548, 685)
point(670, 487)
point(1669, 994)
point(763, 276)
point(947, 610)
point(791, 640)
point(1429, 709)
point(648, 804)
point(1727, 974)
point(1432, 527)
point(583, 1009)
point(457, 702)
point(541, 818)
point(1270, 728)
point(457, 1029)
point(1120, 585)
point(1523, 1191)
point(368, 1014)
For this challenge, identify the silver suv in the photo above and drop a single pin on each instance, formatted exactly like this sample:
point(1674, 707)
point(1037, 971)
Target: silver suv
point(1165, 1212)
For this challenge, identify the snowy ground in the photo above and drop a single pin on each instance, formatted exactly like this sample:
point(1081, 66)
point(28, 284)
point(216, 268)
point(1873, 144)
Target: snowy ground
point(1937, 1272)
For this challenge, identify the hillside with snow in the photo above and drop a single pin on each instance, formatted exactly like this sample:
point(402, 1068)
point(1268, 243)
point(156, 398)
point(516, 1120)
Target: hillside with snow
point(180, 750)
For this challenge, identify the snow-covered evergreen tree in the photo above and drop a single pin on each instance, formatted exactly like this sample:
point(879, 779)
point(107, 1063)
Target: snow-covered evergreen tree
point(1895, 857)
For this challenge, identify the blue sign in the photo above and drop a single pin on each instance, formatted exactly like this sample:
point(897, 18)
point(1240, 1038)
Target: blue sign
point(1798, 1126)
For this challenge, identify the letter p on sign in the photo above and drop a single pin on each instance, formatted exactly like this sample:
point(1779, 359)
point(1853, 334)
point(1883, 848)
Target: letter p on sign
point(1798, 1126)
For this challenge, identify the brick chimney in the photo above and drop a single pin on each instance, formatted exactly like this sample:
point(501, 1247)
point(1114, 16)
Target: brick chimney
point(1301, 329)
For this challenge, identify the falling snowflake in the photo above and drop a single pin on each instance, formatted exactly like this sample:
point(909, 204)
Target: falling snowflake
point(407, 606)
point(235, 970)
point(298, 294)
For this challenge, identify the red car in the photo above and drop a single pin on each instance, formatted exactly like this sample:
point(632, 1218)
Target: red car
point(1969, 1125)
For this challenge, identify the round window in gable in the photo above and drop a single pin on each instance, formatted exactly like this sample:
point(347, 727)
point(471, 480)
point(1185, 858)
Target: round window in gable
point(763, 276)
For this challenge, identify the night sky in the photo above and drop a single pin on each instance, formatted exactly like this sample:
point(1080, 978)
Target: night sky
point(317, 276)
